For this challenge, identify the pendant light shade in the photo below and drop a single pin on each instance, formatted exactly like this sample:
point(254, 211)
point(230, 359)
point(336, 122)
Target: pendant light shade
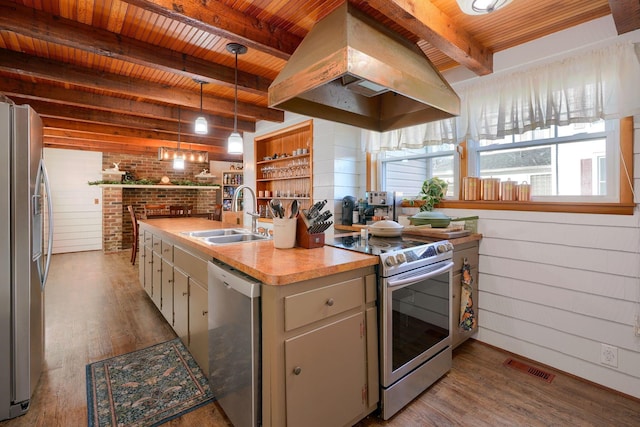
point(235, 144)
point(481, 7)
point(201, 125)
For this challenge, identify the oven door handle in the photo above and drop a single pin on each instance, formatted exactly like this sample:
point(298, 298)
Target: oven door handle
point(415, 279)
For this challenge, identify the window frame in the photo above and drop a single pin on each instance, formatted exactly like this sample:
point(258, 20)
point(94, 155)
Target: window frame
point(624, 206)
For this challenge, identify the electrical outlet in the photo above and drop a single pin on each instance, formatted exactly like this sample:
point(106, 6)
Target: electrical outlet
point(609, 355)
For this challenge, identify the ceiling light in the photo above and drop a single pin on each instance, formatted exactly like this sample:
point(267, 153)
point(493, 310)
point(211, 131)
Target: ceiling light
point(235, 143)
point(177, 156)
point(481, 7)
point(201, 125)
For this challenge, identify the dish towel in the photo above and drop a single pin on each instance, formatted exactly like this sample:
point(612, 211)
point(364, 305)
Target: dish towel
point(467, 315)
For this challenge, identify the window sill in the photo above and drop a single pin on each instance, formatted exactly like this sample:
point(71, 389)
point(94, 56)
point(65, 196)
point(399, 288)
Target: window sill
point(588, 208)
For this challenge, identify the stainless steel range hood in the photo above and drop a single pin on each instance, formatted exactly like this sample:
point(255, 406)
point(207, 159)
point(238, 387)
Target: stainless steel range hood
point(350, 69)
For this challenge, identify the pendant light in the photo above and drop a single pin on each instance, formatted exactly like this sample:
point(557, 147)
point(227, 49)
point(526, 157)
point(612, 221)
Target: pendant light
point(235, 143)
point(481, 7)
point(178, 159)
point(201, 125)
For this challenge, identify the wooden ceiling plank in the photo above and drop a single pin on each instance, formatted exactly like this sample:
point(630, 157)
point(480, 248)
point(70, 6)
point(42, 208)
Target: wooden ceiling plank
point(216, 18)
point(43, 26)
point(27, 65)
point(425, 20)
point(70, 126)
point(626, 15)
point(27, 91)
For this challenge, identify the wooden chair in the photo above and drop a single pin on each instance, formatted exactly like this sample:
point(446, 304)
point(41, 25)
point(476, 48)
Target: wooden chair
point(158, 211)
point(134, 224)
point(183, 210)
point(216, 215)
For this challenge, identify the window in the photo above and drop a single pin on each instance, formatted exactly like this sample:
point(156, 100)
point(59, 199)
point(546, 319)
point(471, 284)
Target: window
point(405, 170)
point(574, 168)
point(577, 162)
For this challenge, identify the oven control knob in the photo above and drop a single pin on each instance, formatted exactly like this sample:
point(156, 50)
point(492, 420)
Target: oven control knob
point(401, 258)
point(443, 248)
point(390, 261)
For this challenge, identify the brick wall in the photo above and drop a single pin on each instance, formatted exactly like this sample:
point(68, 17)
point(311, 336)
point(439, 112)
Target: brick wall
point(117, 230)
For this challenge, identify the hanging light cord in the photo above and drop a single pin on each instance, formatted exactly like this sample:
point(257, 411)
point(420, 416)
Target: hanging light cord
point(235, 99)
point(201, 84)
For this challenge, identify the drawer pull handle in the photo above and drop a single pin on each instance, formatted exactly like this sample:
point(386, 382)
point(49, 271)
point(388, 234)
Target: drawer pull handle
point(297, 370)
point(159, 270)
point(205, 312)
point(330, 302)
point(184, 294)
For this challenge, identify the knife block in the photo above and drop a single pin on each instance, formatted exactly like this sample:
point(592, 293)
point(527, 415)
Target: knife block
point(306, 240)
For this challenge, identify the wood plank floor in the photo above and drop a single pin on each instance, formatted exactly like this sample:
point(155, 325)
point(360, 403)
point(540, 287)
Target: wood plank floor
point(96, 309)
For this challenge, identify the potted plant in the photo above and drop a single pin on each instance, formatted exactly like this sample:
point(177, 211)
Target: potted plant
point(433, 191)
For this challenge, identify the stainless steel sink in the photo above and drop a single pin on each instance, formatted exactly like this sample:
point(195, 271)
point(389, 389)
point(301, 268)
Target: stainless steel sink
point(217, 232)
point(225, 236)
point(233, 238)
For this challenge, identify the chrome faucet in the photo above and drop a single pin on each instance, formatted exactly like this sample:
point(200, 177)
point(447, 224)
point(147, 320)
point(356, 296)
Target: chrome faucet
point(254, 215)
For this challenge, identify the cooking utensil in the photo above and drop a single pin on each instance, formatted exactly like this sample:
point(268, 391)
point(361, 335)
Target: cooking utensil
point(324, 216)
point(314, 211)
point(277, 209)
point(386, 228)
point(294, 209)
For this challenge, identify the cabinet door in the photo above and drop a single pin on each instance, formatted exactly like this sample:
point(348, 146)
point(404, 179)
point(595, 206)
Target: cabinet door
point(326, 374)
point(167, 291)
point(141, 260)
point(198, 324)
point(156, 280)
point(181, 305)
point(148, 269)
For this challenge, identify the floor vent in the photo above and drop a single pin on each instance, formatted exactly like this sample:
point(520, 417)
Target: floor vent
point(528, 369)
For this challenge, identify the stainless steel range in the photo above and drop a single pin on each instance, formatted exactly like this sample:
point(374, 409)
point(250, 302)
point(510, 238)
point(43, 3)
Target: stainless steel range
point(415, 305)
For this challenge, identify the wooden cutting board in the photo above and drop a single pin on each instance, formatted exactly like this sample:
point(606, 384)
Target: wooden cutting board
point(442, 233)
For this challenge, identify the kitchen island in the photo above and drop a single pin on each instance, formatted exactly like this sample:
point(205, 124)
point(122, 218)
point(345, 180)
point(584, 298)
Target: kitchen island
point(319, 337)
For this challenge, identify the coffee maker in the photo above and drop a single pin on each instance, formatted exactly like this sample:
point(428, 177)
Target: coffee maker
point(348, 206)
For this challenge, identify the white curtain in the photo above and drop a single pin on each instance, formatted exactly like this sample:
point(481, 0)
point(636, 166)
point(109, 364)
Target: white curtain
point(603, 83)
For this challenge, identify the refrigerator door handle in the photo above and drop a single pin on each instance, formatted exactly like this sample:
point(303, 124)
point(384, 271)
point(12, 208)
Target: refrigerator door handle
point(47, 190)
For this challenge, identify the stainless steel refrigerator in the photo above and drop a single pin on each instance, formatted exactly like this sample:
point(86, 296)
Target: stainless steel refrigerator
point(25, 254)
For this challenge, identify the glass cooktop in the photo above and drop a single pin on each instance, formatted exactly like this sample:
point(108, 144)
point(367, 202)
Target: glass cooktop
point(374, 245)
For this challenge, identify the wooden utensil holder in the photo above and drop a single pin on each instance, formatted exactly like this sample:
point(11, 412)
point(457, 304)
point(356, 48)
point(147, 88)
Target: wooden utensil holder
point(306, 240)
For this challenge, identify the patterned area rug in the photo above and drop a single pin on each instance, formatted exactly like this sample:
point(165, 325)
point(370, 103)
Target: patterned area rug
point(147, 387)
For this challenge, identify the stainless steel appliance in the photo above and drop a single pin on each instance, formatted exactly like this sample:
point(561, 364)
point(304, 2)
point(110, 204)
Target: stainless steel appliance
point(25, 254)
point(234, 343)
point(415, 306)
point(381, 204)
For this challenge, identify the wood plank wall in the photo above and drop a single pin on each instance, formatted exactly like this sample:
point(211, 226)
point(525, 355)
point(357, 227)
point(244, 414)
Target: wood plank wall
point(555, 287)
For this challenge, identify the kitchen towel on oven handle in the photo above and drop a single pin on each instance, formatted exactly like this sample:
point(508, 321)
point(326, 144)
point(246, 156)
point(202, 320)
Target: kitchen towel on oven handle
point(467, 314)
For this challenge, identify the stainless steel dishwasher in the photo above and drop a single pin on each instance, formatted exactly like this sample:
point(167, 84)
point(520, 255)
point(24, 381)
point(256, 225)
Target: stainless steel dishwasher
point(234, 343)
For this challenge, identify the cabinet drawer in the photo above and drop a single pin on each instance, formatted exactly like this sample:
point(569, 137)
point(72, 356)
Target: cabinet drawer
point(156, 244)
point(148, 237)
point(167, 251)
point(311, 306)
point(191, 264)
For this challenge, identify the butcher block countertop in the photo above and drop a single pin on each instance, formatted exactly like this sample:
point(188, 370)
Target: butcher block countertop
point(260, 259)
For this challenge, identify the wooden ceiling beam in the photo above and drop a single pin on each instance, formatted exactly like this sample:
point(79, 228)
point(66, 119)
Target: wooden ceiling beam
point(71, 126)
point(87, 116)
point(428, 22)
point(231, 24)
point(123, 139)
point(26, 65)
point(626, 15)
point(27, 93)
point(149, 147)
point(54, 29)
